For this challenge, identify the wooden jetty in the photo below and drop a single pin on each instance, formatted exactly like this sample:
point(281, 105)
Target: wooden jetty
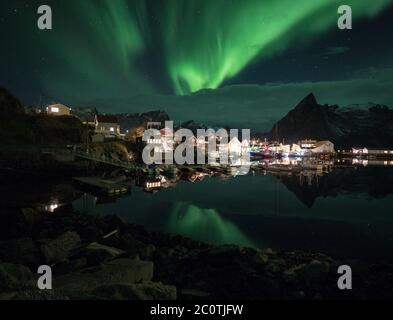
point(101, 186)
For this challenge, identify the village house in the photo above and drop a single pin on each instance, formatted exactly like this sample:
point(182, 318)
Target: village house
point(324, 146)
point(58, 110)
point(307, 144)
point(313, 146)
point(107, 125)
point(235, 147)
point(167, 139)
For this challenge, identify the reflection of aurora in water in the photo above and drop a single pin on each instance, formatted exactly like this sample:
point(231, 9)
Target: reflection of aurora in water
point(205, 225)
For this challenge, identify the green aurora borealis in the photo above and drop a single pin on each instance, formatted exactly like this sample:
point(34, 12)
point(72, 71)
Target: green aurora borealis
point(204, 225)
point(204, 50)
point(202, 43)
point(258, 57)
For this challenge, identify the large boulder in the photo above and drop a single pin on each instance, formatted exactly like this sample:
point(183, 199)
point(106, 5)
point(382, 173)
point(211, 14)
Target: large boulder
point(315, 271)
point(60, 248)
point(96, 253)
point(14, 277)
point(139, 291)
point(31, 216)
point(22, 250)
point(119, 271)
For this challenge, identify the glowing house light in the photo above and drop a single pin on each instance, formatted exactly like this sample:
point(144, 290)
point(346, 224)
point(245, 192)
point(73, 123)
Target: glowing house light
point(51, 207)
point(151, 185)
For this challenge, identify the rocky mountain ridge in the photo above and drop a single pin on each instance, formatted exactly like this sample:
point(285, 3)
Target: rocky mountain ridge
point(355, 125)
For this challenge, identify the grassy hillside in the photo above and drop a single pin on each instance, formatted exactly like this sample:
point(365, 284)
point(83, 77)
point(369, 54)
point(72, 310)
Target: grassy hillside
point(30, 131)
point(41, 130)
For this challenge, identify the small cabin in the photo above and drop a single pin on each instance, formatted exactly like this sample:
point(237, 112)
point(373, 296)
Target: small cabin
point(58, 110)
point(323, 147)
point(107, 125)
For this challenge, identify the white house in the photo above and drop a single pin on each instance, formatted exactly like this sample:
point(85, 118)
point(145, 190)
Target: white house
point(58, 110)
point(324, 146)
point(307, 144)
point(107, 125)
point(296, 148)
point(167, 136)
point(360, 151)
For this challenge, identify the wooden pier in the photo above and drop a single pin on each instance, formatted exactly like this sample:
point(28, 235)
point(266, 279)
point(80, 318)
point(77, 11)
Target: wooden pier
point(116, 163)
point(101, 186)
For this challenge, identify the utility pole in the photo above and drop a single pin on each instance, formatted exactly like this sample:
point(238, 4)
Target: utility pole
point(87, 136)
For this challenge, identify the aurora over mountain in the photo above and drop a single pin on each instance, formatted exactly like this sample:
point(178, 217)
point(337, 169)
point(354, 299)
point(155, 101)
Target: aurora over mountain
point(196, 151)
point(228, 35)
point(119, 49)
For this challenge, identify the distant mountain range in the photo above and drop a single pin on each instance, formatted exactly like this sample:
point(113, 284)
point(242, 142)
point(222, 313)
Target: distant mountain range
point(128, 121)
point(369, 125)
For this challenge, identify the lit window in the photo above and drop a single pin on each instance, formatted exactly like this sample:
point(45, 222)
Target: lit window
point(54, 109)
point(112, 129)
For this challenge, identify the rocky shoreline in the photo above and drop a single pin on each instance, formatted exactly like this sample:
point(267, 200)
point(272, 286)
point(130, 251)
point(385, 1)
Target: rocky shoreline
point(105, 258)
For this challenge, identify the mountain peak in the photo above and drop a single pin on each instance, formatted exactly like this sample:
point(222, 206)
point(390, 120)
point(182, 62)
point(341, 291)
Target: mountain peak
point(345, 127)
point(309, 100)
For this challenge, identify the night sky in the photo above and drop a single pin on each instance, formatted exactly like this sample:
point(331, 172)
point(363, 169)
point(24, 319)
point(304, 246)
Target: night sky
point(232, 62)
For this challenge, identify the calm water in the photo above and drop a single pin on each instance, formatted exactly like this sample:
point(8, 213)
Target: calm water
point(346, 213)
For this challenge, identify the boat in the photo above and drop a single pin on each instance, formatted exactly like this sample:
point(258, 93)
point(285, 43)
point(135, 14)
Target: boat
point(259, 153)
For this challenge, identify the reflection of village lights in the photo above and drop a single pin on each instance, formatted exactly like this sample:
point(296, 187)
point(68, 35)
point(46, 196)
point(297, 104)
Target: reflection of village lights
point(153, 184)
point(51, 207)
point(360, 161)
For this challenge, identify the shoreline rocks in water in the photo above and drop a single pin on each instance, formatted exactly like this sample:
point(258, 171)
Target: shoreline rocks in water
point(105, 258)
